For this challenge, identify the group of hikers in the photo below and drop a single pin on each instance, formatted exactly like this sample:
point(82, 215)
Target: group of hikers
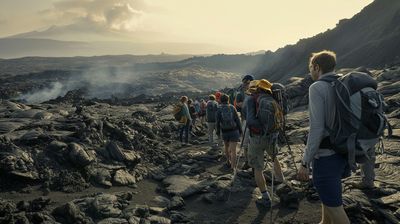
point(262, 107)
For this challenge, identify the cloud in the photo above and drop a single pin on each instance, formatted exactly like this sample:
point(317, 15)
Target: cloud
point(119, 15)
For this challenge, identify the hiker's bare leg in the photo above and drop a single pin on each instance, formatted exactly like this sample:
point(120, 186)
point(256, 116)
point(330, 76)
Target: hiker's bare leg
point(260, 180)
point(278, 170)
point(226, 148)
point(337, 215)
point(232, 149)
point(325, 215)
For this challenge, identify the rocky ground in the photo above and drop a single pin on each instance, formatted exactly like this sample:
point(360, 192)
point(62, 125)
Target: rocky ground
point(73, 160)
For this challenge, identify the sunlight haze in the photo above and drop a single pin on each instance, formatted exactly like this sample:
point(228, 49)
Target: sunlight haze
point(232, 26)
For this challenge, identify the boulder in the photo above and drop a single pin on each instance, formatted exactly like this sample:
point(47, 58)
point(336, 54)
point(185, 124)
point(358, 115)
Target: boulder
point(57, 146)
point(101, 176)
point(184, 186)
point(25, 113)
point(70, 213)
point(161, 201)
point(32, 135)
point(390, 89)
point(123, 178)
point(113, 221)
point(15, 106)
point(154, 219)
point(78, 155)
point(43, 115)
point(106, 205)
point(177, 202)
point(7, 126)
point(122, 155)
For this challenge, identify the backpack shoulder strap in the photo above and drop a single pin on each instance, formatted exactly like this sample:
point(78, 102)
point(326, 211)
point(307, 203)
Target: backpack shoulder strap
point(256, 98)
point(232, 109)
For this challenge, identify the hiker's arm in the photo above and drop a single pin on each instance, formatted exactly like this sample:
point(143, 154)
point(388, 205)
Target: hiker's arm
point(239, 99)
point(251, 119)
point(317, 123)
point(218, 121)
point(244, 107)
point(207, 113)
point(186, 112)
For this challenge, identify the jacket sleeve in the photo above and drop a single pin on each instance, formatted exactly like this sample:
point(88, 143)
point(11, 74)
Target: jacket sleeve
point(251, 119)
point(317, 123)
point(207, 109)
point(218, 126)
point(243, 112)
point(186, 112)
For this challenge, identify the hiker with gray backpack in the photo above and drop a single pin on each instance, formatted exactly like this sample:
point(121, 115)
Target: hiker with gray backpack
point(328, 167)
point(228, 124)
point(346, 122)
point(264, 118)
point(211, 118)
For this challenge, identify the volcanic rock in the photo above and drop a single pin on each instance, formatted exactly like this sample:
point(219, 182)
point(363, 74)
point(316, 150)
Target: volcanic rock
point(184, 186)
point(123, 178)
point(106, 205)
point(79, 156)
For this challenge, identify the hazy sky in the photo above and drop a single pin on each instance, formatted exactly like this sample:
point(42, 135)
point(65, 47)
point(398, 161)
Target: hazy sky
point(239, 25)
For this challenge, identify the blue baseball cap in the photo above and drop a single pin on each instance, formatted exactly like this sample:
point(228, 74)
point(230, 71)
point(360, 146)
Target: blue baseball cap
point(248, 78)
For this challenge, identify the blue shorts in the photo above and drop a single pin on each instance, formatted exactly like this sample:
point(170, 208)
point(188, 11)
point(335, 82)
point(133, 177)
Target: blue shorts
point(231, 136)
point(328, 172)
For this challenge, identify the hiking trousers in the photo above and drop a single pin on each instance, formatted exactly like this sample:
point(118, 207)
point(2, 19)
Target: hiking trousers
point(367, 169)
point(211, 129)
point(246, 140)
point(184, 129)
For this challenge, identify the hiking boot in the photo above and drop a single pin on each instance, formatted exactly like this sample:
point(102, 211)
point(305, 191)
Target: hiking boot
point(264, 201)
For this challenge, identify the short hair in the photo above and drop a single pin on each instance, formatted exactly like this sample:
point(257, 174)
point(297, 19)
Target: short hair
point(189, 101)
point(184, 98)
point(325, 59)
point(211, 97)
point(224, 98)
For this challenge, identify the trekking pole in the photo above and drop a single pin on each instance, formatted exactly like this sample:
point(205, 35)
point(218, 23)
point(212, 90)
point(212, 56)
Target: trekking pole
point(283, 131)
point(290, 150)
point(237, 162)
point(272, 183)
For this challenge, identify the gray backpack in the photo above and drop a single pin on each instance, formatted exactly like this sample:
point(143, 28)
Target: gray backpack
point(228, 122)
point(360, 120)
point(269, 114)
point(211, 111)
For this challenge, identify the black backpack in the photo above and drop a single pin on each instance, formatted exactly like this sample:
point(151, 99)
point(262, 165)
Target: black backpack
point(227, 118)
point(211, 111)
point(280, 95)
point(360, 120)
